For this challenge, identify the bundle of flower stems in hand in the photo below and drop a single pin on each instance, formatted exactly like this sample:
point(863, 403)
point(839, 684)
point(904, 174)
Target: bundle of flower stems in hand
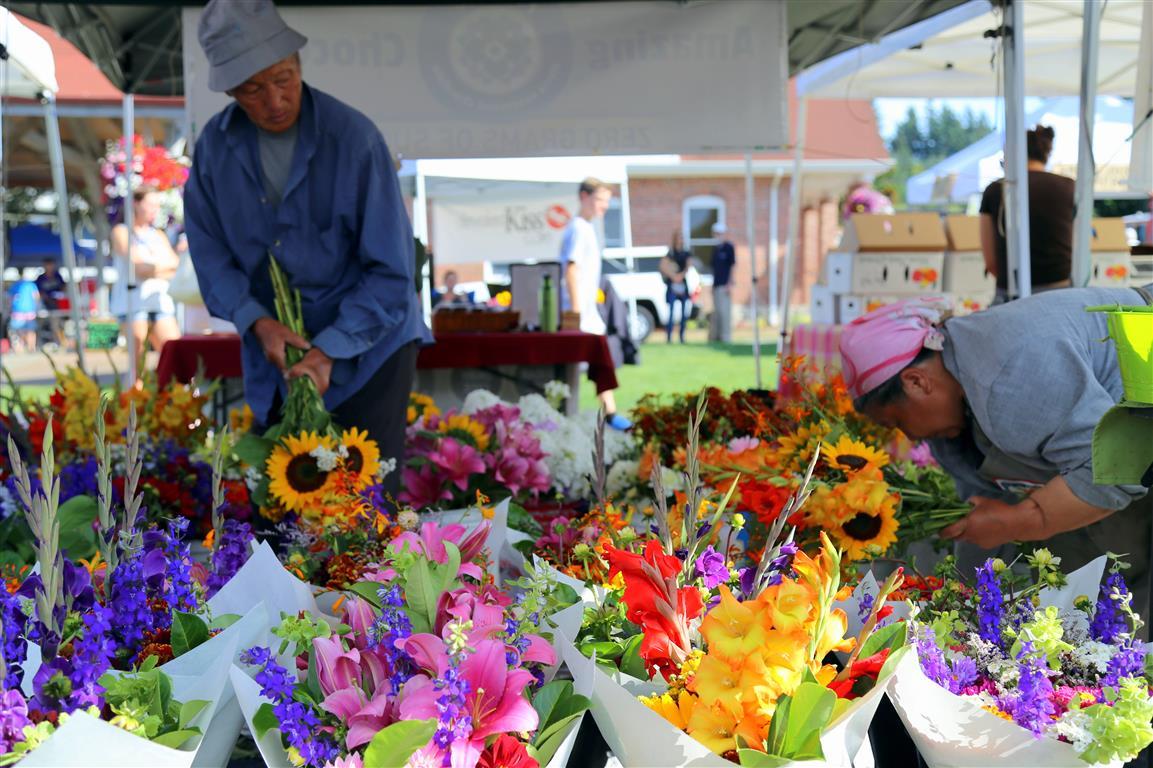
point(303, 409)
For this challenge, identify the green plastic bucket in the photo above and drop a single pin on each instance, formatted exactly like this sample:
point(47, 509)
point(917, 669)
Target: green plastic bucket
point(1131, 329)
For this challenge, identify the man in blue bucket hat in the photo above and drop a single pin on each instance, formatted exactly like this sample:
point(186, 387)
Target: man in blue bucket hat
point(289, 172)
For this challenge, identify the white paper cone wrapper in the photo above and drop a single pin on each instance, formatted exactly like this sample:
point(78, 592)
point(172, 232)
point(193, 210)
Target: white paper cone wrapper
point(88, 741)
point(564, 751)
point(640, 738)
point(1086, 581)
point(951, 730)
point(263, 579)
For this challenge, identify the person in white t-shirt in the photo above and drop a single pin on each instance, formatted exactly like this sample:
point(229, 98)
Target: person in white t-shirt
point(580, 258)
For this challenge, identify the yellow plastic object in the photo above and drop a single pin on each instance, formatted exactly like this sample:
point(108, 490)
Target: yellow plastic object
point(1131, 329)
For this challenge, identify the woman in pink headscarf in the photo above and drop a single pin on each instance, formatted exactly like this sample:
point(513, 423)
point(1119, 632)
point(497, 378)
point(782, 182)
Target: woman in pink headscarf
point(1008, 400)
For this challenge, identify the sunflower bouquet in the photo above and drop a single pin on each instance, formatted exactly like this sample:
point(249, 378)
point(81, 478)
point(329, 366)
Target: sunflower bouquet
point(430, 665)
point(1025, 668)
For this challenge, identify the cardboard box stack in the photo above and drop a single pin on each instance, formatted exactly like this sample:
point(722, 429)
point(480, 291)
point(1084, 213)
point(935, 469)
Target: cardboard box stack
point(882, 258)
point(1111, 265)
point(966, 279)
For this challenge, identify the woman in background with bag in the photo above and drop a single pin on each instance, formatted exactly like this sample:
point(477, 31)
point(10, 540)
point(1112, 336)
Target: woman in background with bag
point(675, 267)
point(153, 310)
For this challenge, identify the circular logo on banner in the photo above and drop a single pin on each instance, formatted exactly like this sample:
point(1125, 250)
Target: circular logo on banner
point(557, 216)
point(497, 60)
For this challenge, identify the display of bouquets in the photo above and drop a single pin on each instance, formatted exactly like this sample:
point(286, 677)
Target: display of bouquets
point(68, 629)
point(151, 166)
point(430, 665)
point(660, 422)
point(1026, 668)
point(735, 656)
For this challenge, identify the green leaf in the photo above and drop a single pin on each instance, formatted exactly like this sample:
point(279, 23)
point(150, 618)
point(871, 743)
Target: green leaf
point(264, 721)
point(253, 450)
point(545, 745)
point(313, 676)
point(795, 732)
point(393, 746)
point(557, 702)
point(449, 570)
point(608, 650)
point(421, 596)
point(752, 758)
point(176, 739)
point(163, 698)
point(189, 710)
point(224, 621)
point(891, 637)
point(77, 536)
point(631, 661)
point(188, 631)
point(367, 590)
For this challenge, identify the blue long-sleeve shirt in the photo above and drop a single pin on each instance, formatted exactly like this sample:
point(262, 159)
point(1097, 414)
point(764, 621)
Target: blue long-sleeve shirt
point(341, 234)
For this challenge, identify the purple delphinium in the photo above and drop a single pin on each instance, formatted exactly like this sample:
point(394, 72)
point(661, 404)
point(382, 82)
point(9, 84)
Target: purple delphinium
point(1109, 619)
point(178, 590)
point(389, 632)
point(1127, 661)
point(13, 719)
point(91, 658)
point(782, 565)
point(1031, 705)
point(711, 567)
point(13, 644)
point(954, 676)
point(515, 642)
point(865, 606)
point(453, 721)
point(78, 478)
point(298, 723)
point(128, 600)
point(230, 554)
point(990, 604)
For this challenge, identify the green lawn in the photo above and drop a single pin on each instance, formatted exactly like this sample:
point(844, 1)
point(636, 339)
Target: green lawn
point(673, 368)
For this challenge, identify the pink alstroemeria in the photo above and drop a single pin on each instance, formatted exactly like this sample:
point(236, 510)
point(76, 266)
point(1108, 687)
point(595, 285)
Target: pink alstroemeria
point(347, 761)
point(499, 413)
point(739, 445)
point(457, 461)
point(496, 701)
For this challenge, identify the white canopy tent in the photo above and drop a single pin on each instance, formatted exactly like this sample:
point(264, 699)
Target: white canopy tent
point(977, 50)
point(28, 70)
point(960, 177)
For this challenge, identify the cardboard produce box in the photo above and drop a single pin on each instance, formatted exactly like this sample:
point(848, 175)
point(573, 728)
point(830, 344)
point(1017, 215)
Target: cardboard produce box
point(850, 307)
point(822, 305)
point(1111, 264)
point(889, 254)
point(965, 272)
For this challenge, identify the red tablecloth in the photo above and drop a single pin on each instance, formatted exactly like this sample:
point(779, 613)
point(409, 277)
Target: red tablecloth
point(220, 354)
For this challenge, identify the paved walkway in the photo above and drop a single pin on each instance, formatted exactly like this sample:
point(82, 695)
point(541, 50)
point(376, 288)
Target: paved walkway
point(35, 369)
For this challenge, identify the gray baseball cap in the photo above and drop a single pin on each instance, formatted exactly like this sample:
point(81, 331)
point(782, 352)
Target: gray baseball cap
point(243, 37)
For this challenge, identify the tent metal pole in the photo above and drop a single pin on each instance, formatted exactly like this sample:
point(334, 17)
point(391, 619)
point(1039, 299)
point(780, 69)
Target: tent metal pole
point(3, 188)
point(1016, 186)
point(792, 253)
point(64, 219)
point(1086, 168)
point(751, 235)
point(774, 251)
point(627, 241)
point(130, 223)
point(420, 229)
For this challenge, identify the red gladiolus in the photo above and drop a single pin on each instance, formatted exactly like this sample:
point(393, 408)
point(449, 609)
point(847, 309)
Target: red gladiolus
point(506, 752)
point(656, 604)
point(862, 668)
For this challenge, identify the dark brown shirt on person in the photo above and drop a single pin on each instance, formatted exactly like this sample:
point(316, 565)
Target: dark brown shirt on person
point(1051, 207)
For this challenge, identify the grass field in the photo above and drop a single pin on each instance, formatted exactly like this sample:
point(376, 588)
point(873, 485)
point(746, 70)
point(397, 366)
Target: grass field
point(673, 368)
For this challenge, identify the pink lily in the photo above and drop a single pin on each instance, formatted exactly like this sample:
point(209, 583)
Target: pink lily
point(458, 462)
point(422, 487)
point(431, 538)
point(359, 615)
point(347, 761)
point(337, 668)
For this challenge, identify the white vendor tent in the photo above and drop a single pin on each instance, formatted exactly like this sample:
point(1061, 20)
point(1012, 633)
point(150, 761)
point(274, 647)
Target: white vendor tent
point(961, 176)
point(28, 70)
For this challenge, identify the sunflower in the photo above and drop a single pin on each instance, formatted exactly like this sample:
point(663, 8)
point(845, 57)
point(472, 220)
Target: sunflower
point(466, 429)
point(363, 455)
point(868, 534)
point(795, 450)
point(421, 405)
point(851, 455)
point(295, 477)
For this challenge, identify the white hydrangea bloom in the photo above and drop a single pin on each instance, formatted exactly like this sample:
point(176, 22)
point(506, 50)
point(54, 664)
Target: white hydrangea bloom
point(1091, 653)
point(478, 400)
point(1073, 726)
point(387, 467)
point(1076, 626)
point(557, 392)
point(622, 477)
point(326, 460)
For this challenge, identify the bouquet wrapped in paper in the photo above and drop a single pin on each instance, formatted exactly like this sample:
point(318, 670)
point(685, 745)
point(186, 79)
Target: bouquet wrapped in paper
point(430, 664)
point(1027, 670)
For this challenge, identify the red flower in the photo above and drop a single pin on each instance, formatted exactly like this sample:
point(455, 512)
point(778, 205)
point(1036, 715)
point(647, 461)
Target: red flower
point(506, 752)
point(863, 669)
point(764, 500)
point(655, 604)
